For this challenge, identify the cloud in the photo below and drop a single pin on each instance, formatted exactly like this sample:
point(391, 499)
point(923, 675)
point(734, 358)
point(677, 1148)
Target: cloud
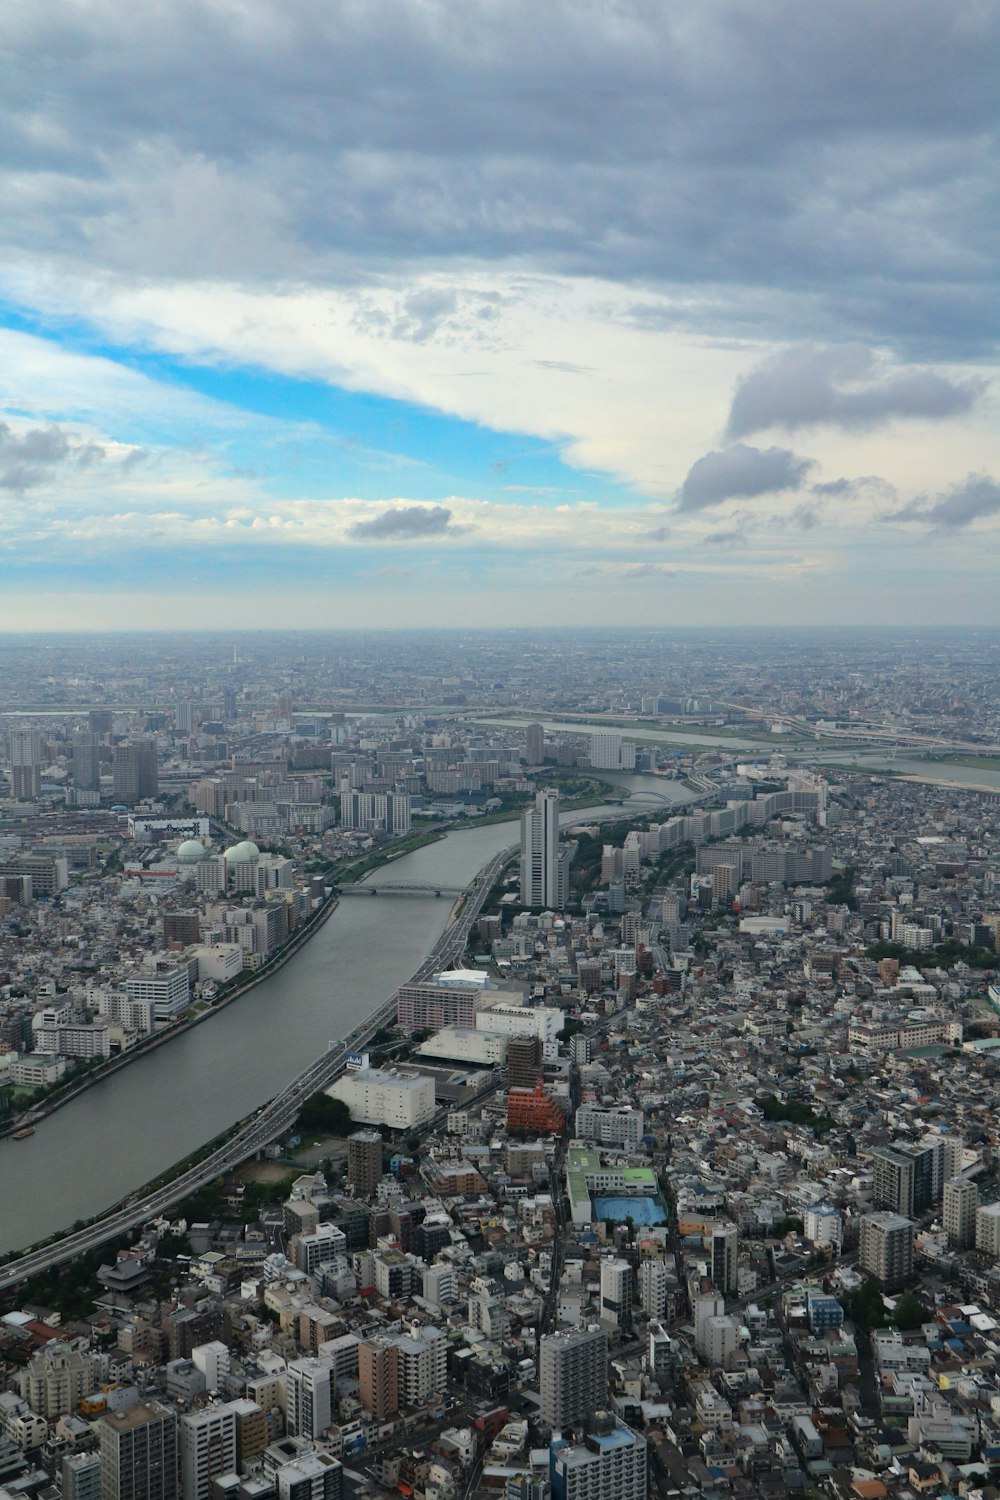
point(410, 521)
point(741, 472)
point(842, 386)
point(728, 538)
point(31, 457)
point(766, 163)
point(976, 499)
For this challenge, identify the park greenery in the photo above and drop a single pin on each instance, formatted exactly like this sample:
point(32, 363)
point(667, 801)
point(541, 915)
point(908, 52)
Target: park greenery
point(322, 1115)
point(795, 1111)
point(840, 889)
point(941, 956)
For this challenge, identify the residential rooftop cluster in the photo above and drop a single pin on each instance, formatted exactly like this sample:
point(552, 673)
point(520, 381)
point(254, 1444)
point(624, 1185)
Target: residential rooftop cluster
point(682, 1179)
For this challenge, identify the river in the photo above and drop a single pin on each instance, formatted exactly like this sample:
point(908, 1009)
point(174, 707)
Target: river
point(136, 1124)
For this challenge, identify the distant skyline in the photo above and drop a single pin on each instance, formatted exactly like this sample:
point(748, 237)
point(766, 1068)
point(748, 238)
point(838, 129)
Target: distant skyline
point(323, 315)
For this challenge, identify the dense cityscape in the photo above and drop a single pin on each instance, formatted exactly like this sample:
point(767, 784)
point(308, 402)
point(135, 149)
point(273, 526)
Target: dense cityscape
point(642, 997)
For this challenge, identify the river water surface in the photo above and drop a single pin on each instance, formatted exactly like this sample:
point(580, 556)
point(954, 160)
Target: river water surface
point(136, 1124)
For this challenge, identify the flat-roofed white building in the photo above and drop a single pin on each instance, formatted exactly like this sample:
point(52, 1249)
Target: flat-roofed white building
point(610, 1127)
point(377, 1097)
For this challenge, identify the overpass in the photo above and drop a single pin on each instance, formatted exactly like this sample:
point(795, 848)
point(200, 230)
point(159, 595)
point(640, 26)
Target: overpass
point(263, 1127)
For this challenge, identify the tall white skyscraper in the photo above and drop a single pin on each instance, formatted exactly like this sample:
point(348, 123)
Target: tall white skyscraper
point(25, 764)
point(544, 865)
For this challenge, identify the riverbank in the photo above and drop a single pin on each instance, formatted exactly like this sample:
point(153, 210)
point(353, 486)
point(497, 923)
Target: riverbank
point(34, 1113)
point(47, 1106)
point(248, 1135)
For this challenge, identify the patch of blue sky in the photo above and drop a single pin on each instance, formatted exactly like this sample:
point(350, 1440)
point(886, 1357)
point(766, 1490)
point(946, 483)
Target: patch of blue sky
point(316, 438)
point(155, 562)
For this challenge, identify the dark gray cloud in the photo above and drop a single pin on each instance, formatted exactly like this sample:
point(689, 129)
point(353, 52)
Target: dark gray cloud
point(814, 171)
point(842, 386)
point(976, 499)
point(741, 472)
point(30, 458)
point(406, 521)
point(805, 517)
point(868, 487)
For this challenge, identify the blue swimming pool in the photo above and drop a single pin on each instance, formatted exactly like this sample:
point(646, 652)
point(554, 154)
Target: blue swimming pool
point(640, 1210)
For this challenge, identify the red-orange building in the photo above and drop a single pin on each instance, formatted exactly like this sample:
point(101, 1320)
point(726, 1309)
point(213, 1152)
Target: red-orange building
point(534, 1110)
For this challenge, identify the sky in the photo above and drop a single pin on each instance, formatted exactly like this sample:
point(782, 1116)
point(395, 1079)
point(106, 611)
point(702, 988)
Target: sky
point(490, 312)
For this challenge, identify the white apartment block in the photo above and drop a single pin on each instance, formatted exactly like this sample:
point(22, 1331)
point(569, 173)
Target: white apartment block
point(609, 1127)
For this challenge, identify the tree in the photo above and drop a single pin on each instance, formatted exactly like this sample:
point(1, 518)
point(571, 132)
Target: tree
point(910, 1312)
point(321, 1113)
point(866, 1306)
point(569, 1029)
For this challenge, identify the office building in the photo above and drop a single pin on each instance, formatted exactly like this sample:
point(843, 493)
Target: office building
point(616, 1293)
point(610, 1463)
point(47, 873)
point(958, 1213)
point(138, 1450)
point(309, 1398)
point(534, 744)
point(134, 769)
point(572, 1375)
point(887, 1249)
point(377, 1097)
point(208, 1449)
point(364, 1162)
point(166, 989)
point(544, 863)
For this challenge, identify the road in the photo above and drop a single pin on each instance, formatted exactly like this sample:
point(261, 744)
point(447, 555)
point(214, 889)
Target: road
point(263, 1127)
